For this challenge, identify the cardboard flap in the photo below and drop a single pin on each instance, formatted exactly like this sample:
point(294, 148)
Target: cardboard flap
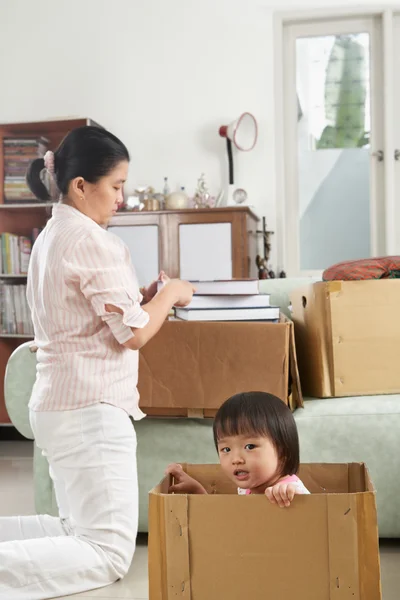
point(311, 318)
point(322, 478)
point(357, 478)
point(212, 478)
point(369, 484)
point(177, 565)
point(296, 398)
point(343, 546)
point(319, 478)
point(156, 547)
point(368, 546)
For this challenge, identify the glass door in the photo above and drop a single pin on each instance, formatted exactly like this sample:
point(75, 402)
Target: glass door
point(333, 143)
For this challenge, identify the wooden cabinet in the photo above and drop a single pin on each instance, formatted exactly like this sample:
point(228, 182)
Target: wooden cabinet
point(218, 243)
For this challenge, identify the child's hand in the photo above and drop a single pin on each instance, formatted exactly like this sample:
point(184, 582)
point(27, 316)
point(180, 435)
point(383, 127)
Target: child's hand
point(282, 494)
point(184, 484)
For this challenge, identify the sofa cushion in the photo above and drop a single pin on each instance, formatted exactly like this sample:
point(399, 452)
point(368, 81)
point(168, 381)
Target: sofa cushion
point(358, 429)
point(18, 382)
point(280, 290)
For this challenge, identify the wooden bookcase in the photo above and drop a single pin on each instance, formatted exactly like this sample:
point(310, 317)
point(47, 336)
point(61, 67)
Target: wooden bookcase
point(23, 218)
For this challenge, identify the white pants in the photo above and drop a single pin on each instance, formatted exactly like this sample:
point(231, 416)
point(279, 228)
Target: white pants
point(92, 457)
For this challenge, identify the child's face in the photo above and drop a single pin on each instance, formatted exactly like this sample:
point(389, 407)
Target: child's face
point(250, 462)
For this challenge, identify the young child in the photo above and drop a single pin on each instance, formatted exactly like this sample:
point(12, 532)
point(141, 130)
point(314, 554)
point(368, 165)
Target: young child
point(256, 438)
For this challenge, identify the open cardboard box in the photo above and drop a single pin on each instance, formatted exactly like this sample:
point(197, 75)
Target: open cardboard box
point(190, 368)
point(225, 546)
point(348, 337)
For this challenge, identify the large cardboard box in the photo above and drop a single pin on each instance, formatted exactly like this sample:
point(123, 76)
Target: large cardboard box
point(224, 546)
point(348, 337)
point(191, 368)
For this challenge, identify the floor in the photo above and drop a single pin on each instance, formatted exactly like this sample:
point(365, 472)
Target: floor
point(16, 497)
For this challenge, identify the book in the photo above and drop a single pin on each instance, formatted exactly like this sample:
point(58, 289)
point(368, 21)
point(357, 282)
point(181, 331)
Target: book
point(15, 253)
point(25, 249)
point(7, 253)
point(15, 315)
point(270, 313)
point(207, 302)
point(240, 287)
point(18, 154)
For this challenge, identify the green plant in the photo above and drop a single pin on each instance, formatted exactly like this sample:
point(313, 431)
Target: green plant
point(345, 96)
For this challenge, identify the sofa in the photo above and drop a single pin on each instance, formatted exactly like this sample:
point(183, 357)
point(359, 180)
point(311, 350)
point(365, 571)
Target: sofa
point(356, 429)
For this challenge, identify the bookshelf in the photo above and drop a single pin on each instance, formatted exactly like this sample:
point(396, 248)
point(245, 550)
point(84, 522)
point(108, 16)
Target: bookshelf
point(27, 206)
point(16, 336)
point(21, 218)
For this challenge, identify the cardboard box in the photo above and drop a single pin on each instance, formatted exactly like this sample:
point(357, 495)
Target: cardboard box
point(191, 368)
point(348, 337)
point(224, 546)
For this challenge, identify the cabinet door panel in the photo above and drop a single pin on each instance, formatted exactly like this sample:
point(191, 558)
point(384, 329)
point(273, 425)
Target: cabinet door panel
point(143, 244)
point(205, 251)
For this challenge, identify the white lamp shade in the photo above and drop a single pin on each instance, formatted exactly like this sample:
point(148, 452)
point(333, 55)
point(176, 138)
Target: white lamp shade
point(243, 132)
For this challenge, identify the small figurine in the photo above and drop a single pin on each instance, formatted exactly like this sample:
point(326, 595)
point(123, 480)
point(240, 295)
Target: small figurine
point(262, 267)
point(202, 188)
point(262, 263)
point(202, 196)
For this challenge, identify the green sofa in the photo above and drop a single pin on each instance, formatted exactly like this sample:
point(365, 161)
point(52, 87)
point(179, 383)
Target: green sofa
point(355, 429)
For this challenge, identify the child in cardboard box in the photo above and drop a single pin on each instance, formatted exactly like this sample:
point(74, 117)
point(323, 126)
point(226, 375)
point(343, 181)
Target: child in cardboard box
point(256, 438)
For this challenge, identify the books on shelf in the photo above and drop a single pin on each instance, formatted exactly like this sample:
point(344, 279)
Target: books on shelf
point(15, 252)
point(18, 154)
point(15, 316)
point(238, 287)
point(268, 313)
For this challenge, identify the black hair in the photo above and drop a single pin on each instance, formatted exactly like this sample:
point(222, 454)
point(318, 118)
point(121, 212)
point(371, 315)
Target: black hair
point(88, 152)
point(264, 415)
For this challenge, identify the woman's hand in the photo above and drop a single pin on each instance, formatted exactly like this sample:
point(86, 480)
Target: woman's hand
point(184, 484)
point(282, 494)
point(149, 292)
point(182, 290)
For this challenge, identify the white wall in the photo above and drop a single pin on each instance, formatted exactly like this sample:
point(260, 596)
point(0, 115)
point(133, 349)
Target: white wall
point(161, 74)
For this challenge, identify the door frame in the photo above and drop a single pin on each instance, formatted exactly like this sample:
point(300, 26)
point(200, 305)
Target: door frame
point(286, 203)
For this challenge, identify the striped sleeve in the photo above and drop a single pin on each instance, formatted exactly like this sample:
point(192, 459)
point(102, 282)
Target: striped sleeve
point(101, 263)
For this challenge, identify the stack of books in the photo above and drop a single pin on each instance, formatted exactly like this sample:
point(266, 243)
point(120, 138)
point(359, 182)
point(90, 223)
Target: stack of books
point(232, 300)
point(18, 154)
point(15, 252)
point(15, 317)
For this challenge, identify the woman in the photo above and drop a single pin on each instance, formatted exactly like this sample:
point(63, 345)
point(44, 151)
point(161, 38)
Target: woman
point(89, 325)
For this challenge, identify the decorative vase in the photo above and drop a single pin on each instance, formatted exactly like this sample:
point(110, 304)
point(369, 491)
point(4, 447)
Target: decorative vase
point(176, 201)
